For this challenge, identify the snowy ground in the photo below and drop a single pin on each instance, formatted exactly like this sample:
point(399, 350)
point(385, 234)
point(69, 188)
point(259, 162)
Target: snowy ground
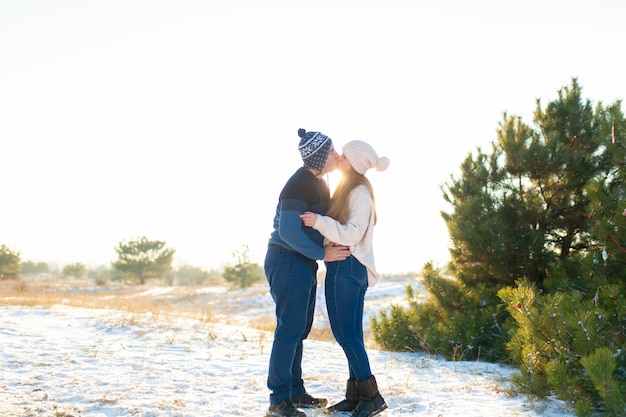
point(68, 361)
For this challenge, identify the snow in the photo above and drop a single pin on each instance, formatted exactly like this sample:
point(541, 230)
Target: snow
point(72, 361)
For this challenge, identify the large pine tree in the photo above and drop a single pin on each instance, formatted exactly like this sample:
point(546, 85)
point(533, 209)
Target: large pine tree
point(527, 202)
point(518, 212)
point(538, 258)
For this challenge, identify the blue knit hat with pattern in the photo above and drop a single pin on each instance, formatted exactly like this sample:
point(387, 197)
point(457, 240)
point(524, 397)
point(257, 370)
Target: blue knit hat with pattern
point(314, 148)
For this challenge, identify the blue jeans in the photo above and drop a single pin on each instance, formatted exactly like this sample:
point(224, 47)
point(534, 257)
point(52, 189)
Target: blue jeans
point(346, 284)
point(293, 285)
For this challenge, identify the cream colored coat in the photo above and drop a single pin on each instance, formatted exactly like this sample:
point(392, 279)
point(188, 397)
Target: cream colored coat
point(357, 232)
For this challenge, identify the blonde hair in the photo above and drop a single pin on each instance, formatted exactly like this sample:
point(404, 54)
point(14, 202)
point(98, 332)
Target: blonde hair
point(339, 206)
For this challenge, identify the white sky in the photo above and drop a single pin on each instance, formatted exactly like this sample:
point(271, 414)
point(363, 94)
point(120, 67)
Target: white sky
point(177, 120)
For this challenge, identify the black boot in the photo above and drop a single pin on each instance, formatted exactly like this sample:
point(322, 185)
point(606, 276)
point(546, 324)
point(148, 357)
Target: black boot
point(349, 404)
point(370, 400)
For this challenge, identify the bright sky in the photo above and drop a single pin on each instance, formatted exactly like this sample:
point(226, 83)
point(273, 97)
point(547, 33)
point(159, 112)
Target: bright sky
point(178, 120)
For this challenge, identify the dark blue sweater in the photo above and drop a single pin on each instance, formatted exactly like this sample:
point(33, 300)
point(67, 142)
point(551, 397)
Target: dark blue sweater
point(303, 192)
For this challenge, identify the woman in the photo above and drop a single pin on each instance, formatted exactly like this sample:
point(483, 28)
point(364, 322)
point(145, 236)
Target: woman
point(350, 221)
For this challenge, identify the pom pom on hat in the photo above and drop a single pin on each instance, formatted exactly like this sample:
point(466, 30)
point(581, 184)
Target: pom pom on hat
point(362, 157)
point(314, 148)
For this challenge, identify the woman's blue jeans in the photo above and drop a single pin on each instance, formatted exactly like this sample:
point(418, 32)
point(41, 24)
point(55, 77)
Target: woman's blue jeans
point(346, 284)
point(293, 285)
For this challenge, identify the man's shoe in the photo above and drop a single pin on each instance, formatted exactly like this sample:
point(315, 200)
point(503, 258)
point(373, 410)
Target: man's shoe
point(308, 401)
point(284, 408)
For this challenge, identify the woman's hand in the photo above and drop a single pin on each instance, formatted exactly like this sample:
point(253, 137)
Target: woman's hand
point(308, 218)
point(334, 252)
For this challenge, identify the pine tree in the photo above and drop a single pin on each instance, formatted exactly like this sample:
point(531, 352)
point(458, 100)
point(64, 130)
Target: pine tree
point(243, 273)
point(142, 259)
point(540, 213)
point(9, 262)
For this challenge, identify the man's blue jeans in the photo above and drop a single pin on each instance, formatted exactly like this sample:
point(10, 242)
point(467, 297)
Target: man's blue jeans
point(346, 284)
point(293, 285)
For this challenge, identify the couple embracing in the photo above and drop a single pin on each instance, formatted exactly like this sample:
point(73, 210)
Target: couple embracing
point(310, 225)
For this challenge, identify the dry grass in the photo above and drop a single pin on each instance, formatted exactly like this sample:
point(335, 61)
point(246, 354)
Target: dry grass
point(187, 302)
point(80, 293)
point(49, 292)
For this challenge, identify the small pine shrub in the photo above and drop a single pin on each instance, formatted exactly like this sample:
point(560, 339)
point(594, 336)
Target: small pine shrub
point(571, 344)
point(394, 331)
point(600, 367)
point(455, 322)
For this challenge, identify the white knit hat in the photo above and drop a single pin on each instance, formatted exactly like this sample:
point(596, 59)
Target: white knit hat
point(362, 157)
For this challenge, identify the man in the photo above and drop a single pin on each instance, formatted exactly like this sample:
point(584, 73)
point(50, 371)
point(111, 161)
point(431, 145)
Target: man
point(291, 270)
